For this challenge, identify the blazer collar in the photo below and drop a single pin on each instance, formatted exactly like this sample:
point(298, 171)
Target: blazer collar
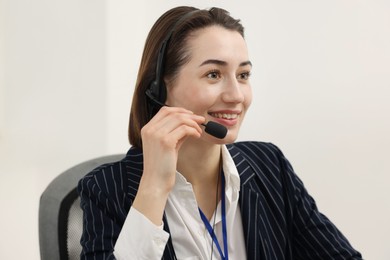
point(244, 169)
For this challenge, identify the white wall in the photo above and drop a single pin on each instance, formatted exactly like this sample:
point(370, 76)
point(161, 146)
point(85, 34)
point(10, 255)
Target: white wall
point(54, 106)
point(320, 81)
point(2, 65)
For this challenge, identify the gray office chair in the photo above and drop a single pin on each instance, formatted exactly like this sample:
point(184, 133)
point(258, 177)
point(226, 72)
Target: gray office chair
point(60, 215)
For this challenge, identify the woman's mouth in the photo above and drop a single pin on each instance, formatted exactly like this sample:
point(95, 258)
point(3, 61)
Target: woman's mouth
point(224, 115)
point(226, 118)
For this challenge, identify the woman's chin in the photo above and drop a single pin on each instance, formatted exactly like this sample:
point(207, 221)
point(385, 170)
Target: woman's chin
point(230, 137)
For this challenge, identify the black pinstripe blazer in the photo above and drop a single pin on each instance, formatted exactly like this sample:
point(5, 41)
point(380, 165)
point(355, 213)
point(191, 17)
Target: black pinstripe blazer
point(280, 219)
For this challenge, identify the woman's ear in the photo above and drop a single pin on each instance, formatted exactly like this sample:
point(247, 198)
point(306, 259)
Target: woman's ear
point(168, 85)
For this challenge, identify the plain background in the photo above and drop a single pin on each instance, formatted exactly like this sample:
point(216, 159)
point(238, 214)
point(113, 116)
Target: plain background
point(321, 85)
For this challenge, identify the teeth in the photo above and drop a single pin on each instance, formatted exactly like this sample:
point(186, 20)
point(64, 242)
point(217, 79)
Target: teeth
point(224, 116)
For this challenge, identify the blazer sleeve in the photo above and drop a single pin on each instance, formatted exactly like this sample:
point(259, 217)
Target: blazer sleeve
point(313, 236)
point(103, 214)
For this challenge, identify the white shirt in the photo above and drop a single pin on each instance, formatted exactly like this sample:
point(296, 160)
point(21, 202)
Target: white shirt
point(141, 239)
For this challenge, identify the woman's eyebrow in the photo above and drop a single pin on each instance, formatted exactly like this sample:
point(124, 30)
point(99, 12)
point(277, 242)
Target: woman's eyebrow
point(245, 63)
point(223, 63)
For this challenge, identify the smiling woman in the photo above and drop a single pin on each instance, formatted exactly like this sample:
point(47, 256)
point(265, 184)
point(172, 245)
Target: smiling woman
point(181, 193)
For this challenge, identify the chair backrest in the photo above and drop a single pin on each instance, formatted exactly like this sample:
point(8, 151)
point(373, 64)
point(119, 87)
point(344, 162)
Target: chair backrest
point(60, 215)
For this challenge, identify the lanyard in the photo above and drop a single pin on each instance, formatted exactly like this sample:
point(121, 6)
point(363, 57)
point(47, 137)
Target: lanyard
point(211, 230)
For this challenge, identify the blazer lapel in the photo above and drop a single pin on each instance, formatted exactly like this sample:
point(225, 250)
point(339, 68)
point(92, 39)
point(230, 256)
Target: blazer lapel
point(253, 225)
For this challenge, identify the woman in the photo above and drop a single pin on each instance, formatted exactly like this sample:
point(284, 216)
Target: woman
point(182, 193)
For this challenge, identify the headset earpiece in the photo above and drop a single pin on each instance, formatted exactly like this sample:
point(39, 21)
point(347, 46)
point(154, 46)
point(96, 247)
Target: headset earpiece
point(157, 91)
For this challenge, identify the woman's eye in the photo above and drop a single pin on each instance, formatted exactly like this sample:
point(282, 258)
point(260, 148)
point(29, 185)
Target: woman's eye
point(213, 75)
point(244, 76)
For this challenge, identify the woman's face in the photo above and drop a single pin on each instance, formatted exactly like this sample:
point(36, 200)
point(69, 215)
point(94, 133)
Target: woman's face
point(215, 81)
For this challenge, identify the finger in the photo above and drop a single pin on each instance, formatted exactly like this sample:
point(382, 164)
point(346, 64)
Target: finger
point(165, 111)
point(169, 122)
point(177, 120)
point(175, 138)
point(171, 132)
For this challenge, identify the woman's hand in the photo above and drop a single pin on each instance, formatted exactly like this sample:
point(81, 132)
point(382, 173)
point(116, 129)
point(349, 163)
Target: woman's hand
point(162, 138)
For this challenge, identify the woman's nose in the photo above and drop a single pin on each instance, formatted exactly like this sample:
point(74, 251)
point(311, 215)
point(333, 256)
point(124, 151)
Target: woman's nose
point(232, 92)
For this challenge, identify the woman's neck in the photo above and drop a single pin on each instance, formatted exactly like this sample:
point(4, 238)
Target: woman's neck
point(199, 163)
point(201, 166)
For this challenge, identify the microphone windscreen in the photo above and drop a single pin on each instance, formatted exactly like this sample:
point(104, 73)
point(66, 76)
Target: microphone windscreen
point(215, 129)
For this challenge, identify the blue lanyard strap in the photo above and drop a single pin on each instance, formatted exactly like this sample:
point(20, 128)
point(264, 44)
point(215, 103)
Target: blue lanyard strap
point(211, 230)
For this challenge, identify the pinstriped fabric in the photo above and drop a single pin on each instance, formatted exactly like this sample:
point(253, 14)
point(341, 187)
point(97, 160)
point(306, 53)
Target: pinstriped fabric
point(289, 224)
point(106, 196)
point(262, 205)
point(280, 219)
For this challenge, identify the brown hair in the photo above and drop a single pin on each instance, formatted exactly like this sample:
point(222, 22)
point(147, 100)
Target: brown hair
point(176, 54)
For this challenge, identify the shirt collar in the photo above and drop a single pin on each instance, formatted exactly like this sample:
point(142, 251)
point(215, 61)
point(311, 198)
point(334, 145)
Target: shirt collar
point(232, 177)
point(229, 168)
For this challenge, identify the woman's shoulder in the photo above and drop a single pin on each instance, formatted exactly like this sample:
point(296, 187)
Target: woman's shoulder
point(115, 175)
